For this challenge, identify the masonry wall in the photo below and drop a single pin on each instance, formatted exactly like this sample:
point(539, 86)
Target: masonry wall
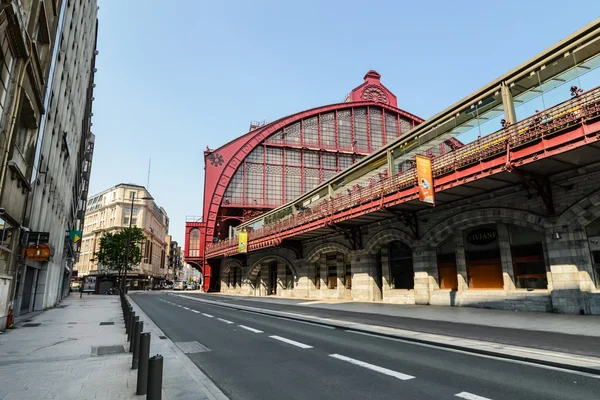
point(572, 287)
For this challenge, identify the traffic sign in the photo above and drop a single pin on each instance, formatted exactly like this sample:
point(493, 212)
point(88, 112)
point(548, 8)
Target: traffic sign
point(74, 236)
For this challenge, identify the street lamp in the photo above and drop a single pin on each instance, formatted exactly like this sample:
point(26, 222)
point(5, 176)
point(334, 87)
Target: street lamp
point(124, 279)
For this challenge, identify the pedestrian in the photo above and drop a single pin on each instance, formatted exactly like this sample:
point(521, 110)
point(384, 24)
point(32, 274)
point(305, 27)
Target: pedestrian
point(81, 291)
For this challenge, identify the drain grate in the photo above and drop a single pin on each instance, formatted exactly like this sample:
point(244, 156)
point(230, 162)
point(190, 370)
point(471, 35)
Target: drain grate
point(163, 337)
point(72, 323)
point(32, 325)
point(106, 323)
point(62, 306)
point(106, 350)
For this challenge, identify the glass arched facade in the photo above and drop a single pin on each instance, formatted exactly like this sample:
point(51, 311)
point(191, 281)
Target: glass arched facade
point(305, 154)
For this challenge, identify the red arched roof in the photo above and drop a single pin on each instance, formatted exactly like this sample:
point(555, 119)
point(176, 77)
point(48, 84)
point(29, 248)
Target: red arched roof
point(222, 163)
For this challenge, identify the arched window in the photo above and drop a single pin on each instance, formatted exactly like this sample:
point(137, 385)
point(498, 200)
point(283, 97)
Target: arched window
point(194, 246)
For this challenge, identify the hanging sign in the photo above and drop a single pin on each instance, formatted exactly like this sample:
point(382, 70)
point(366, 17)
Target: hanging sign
point(243, 242)
point(40, 252)
point(425, 179)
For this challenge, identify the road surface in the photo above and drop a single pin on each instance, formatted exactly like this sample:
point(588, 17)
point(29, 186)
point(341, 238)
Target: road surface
point(251, 356)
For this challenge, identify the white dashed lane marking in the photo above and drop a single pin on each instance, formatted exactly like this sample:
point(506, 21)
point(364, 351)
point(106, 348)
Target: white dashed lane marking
point(250, 329)
point(186, 308)
point(470, 396)
point(375, 368)
point(292, 342)
point(207, 315)
point(197, 312)
point(224, 320)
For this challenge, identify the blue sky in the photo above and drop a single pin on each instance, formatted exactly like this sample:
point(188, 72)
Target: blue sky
point(175, 76)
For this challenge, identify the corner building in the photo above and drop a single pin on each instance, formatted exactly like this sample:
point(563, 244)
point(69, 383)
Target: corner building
point(277, 162)
point(110, 211)
point(62, 169)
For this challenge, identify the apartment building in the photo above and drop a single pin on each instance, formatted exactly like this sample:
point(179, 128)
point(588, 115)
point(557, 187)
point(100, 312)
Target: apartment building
point(110, 211)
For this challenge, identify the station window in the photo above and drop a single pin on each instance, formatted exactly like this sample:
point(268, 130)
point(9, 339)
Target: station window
point(593, 233)
point(528, 258)
point(482, 253)
point(332, 271)
point(446, 259)
point(401, 265)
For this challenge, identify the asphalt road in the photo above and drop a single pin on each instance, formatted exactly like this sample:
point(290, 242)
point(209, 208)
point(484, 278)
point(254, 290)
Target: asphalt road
point(570, 344)
point(253, 356)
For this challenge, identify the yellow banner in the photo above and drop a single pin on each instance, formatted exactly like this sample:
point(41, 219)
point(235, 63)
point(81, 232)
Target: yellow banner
point(243, 242)
point(425, 180)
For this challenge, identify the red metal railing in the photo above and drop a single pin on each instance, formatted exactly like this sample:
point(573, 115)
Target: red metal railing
point(523, 133)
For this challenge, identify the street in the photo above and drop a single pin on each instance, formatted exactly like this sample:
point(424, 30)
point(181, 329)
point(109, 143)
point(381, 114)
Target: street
point(253, 356)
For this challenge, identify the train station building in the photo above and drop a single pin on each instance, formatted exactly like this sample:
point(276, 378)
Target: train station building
point(511, 219)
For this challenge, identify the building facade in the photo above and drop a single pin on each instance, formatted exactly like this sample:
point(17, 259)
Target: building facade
point(512, 220)
point(64, 158)
point(27, 39)
point(277, 162)
point(110, 211)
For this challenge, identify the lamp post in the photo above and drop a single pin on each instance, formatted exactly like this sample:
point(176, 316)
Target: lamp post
point(124, 279)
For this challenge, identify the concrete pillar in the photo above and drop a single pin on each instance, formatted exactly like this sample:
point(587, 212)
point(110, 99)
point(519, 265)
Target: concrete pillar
point(461, 262)
point(341, 272)
point(281, 279)
point(364, 287)
point(571, 277)
point(426, 274)
point(508, 272)
point(385, 272)
point(322, 266)
point(390, 163)
point(508, 104)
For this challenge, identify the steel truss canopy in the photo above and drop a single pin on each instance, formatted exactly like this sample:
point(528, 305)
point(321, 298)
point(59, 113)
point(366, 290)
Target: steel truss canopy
point(562, 62)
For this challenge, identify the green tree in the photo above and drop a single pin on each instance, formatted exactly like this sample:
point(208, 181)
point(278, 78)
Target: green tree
point(113, 249)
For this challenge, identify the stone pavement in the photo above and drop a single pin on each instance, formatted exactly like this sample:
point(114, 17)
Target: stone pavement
point(53, 355)
point(587, 325)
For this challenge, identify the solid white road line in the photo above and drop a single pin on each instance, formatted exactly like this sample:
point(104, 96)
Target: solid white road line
point(381, 370)
point(498, 358)
point(207, 315)
point(224, 320)
point(470, 396)
point(250, 329)
point(197, 312)
point(292, 342)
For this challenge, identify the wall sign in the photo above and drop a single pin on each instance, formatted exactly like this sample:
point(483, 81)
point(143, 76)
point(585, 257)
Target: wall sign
point(482, 236)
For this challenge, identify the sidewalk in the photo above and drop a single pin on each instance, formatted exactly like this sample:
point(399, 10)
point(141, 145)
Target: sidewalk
point(79, 351)
point(586, 325)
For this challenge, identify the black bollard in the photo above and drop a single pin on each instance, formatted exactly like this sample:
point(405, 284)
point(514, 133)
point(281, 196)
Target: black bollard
point(130, 324)
point(142, 377)
point(131, 333)
point(155, 376)
point(139, 327)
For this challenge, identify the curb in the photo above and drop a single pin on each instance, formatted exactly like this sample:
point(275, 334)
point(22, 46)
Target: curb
point(208, 387)
point(341, 325)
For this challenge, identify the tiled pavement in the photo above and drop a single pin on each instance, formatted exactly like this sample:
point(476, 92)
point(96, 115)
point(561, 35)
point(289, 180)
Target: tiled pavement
point(55, 360)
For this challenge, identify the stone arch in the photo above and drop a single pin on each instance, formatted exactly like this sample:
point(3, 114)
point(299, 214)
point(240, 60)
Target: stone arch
point(386, 236)
point(314, 254)
point(253, 271)
point(228, 263)
point(469, 219)
point(583, 212)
